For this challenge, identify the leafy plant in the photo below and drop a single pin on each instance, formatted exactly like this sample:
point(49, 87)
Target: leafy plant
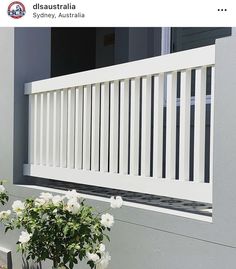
point(3, 194)
point(62, 229)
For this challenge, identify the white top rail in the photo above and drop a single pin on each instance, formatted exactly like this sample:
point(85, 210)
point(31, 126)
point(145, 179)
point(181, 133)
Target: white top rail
point(204, 56)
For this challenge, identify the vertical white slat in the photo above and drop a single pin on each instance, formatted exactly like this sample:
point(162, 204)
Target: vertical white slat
point(37, 129)
point(199, 124)
point(71, 129)
point(79, 128)
point(35, 96)
point(104, 127)
point(158, 125)
point(95, 127)
point(124, 126)
point(171, 125)
point(56, 128)
point(114, 120)
point(63, 128)
point(134, 125)
point(212, 121)
point(146, 126)
point(87, 128)
point(49, 129)
point(43, 109)
point(41, 97)
point(185, 105)
point(31, 129)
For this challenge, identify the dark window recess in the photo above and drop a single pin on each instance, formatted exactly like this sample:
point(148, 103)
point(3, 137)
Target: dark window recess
point(109, 39)
point(72, 50)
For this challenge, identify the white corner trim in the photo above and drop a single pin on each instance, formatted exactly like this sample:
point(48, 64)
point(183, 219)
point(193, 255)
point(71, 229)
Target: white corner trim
point(129, 204)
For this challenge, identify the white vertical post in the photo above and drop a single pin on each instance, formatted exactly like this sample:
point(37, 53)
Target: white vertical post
point(171, 125)
point(41, 105)
point(49, 129)
point(158, 125)
point(95, 127)
point(212, 121)
point(56, 128)
point(146, 126)
point(31, 145)
point(71, 129)
point(114, 126)
point(37, 129)
point(79, 128)
point(134, 126)
point(43, 109)
point(199, 125)
point(185, 105)
point(124, 126)
point(63, 129)
point(104, 127)
point(87, 127)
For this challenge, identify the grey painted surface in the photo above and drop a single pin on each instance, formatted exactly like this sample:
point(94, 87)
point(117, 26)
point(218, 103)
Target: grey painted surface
point(140, 238)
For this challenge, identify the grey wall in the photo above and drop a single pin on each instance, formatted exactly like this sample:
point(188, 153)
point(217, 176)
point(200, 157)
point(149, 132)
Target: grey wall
point(140, 238)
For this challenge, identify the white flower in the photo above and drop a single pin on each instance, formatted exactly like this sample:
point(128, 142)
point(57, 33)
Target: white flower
point(73, 206)
point(18, 207)
point(104, 261)
point(102, 248)
point(92, 256)
point(39, 202)
point(5, 214)
point(46, 196)
point(73, 194)
point(2, 189)
point(107, 220)
point(57, 199)
point(24, 237)
point(116, 202)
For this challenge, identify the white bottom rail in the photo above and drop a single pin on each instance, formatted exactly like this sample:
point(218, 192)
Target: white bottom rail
point(171, 188)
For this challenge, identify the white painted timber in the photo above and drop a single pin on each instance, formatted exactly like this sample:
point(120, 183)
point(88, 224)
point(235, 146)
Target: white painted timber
point(56, 128)
point(87, 128)
point(71, 129)
point(158, 125)
point(171, 188)
point(36, 119)
point(79, 128)
point(95, 127)
point(199, 125)
point(146, 126)
point(124, 126)
point(165, 63)
point(100, 127)
point(184, 141)
point(31, 129)
point(49, 129)
point(114, 125)
point(134, 126)
point(171, 125)
point(63, 129)
point(104, 127)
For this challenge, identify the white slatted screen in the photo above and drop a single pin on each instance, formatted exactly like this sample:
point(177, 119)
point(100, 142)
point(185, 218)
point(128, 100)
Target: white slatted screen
point(126, 126)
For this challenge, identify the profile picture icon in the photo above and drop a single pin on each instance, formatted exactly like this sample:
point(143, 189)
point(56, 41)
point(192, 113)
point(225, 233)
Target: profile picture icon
point(16, 10)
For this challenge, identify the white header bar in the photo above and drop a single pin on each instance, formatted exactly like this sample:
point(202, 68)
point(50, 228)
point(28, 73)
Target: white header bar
point(99, 13)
